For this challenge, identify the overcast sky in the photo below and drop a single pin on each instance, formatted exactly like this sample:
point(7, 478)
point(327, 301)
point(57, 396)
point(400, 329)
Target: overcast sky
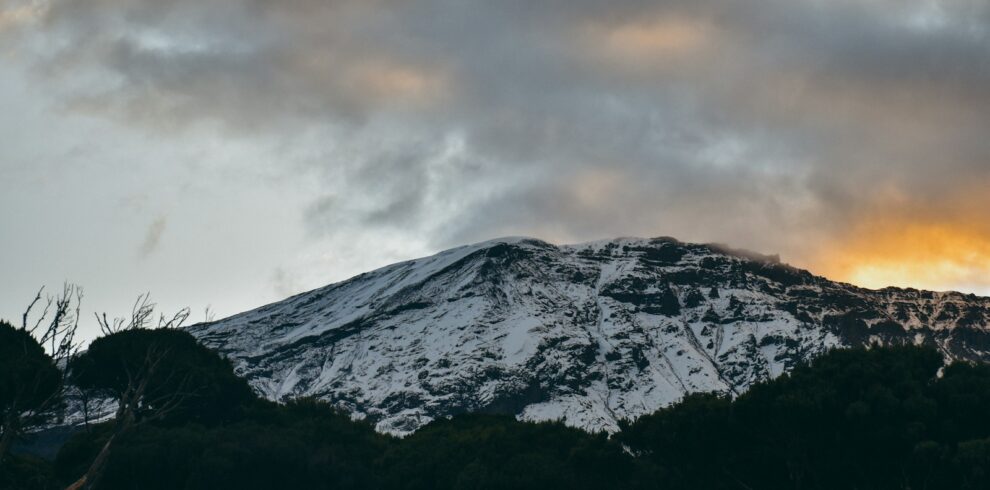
point(234, 152)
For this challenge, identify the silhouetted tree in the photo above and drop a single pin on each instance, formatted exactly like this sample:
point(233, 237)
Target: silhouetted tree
point(153, 375)
point(31, 386)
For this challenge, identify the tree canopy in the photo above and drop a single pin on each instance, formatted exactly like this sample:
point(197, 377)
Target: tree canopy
point(879, 418)
point(883, 418)
point(28, 375)
point(179, 375)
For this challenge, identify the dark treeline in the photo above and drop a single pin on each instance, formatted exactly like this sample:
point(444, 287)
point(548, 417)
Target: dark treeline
point(867, 419)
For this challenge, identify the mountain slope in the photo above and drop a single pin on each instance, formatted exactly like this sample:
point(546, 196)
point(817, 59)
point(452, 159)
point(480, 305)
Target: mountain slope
point(591, 333)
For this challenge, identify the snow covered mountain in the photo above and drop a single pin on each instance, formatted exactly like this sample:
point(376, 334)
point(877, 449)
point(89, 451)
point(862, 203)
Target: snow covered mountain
point(590, 333)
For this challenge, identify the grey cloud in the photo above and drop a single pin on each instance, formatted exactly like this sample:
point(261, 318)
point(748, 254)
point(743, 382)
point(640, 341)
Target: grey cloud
point(774, 130)
point(284, 284)
point(152, 237)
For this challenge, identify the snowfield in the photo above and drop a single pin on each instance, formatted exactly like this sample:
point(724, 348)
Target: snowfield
point(590, 334)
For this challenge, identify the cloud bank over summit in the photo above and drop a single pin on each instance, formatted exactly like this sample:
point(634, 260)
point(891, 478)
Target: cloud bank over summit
point(846, 135)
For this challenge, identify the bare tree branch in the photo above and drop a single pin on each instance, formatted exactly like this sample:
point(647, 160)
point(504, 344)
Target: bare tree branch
point(37, 399)
point(176, 321)
point(27, 312)
point(143, 309)
point(44, 314)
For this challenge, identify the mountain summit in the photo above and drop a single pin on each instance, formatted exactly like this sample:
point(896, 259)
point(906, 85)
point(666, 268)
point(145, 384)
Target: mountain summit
point(590, 334)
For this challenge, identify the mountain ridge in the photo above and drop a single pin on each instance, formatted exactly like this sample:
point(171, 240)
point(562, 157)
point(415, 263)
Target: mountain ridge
point(589, 333)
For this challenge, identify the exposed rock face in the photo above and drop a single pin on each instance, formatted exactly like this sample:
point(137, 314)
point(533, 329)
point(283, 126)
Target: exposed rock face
point(589, 333)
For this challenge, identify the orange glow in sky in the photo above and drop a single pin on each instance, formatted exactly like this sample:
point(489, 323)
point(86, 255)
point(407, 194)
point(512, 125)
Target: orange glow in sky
point(926, 255)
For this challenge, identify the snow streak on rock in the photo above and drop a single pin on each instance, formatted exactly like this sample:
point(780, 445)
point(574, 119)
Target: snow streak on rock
point(591, 333)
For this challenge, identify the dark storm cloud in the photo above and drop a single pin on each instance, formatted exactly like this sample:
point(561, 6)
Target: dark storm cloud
point(773, 123)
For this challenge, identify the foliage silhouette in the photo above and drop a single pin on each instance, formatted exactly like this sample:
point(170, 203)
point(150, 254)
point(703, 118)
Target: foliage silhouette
point(883, 418)
point(189, 381)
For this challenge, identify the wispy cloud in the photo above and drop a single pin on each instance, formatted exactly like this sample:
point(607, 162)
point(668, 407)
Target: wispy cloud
point(152, 237)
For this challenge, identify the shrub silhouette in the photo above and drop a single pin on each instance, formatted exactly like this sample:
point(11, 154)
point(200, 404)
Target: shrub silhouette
point(29, 380)
point(884, 418)
point(190, 381)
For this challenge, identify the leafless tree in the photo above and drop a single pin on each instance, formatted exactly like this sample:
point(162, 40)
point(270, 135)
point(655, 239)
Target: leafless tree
point(141, 314)
point(55, 330)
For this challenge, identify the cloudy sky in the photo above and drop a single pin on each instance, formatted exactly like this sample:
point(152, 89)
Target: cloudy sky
point(232, 152)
